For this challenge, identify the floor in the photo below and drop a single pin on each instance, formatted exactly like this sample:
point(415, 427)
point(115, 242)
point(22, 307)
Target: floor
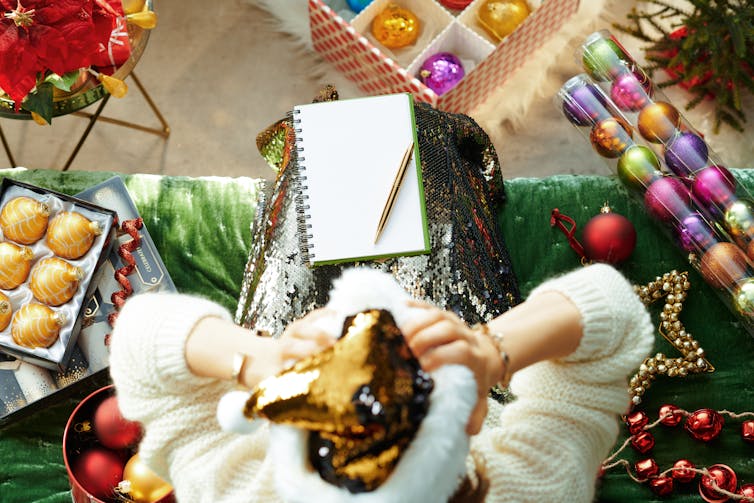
point(221, 74)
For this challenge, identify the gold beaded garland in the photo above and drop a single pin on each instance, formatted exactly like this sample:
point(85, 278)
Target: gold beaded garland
point(672, 286)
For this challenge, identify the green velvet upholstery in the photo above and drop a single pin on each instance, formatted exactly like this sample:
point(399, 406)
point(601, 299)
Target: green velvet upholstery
point(201, 227)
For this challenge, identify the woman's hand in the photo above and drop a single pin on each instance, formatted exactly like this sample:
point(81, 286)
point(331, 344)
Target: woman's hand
point(438, 337)
point(303, 337)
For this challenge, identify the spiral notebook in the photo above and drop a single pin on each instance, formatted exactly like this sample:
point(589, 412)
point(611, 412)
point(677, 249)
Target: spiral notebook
point(348, 155)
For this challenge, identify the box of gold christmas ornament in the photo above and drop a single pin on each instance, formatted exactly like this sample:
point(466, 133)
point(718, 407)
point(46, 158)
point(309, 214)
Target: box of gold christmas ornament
point(50, 255)
point(453, 54)
point(132, 262)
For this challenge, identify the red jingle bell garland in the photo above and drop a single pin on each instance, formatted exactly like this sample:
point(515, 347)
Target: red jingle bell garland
point(717, 483)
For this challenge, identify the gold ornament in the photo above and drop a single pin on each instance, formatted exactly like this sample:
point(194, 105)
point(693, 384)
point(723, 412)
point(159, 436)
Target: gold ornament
point(54, 281)
point(658, 122)
point(15, 263)
point(140, 484)
point(145, 19)
point(395, 27)
point(672, 286)
point(71, 234)
point(723, 264)
point(500, 18)
point(611, 137)
point(24, 220)
point(6, 311)
point(36, 326)
point(739, 218)
point(131, 6)
point(116, 87)
point(743, 298)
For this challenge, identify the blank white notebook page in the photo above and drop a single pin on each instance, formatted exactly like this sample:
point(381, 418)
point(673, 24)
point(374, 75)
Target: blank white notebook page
point(351, 152)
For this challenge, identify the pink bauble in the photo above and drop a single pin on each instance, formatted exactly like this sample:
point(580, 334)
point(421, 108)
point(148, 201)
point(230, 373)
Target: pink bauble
point(667, 198)
point(714, 187)
point(631, 91)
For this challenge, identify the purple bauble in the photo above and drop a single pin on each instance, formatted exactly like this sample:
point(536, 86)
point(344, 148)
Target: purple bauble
point(686, 154)
point(667, 199)
point(714, 187)
point(695, 234)
point(631, 90)
point(584, 104)
point(441, 72)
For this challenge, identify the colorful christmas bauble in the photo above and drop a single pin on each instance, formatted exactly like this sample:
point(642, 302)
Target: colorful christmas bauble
point(661, 486)
point(658, 122)
point(24, 220)
point(604, 58)
point(15, 264)
point(611, 137)
point(500, 18)
point(395, 27)
point(723, 264)
point(724, 478)
point(112, 429)
point(743, 298)
point(456, 4)
point(683, 471)
point(694, 233)
point(6, 311)
point(132, 6)
point(667, 198)
point(686, 154)
point(739, 218)
point(36, 326)
point(631, 90)
point(144, 485)
point(98, 471)
point(609, 237)
point(638, 167)
point(358, 5)
point(441, 72)
point(714, 187)
point(583, 103)
point(54, 281)
point(71, 234)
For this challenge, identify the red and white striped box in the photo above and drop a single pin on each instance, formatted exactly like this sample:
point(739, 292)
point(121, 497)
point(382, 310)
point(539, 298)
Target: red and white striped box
point(352, 49)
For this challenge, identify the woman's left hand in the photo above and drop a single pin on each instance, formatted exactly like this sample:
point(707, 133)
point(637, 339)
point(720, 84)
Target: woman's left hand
point(438, 337)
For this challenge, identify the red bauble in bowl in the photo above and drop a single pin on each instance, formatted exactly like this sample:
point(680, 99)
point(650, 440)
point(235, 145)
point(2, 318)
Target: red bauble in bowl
point(99, 471)
point(609, 237)
point(112, 429)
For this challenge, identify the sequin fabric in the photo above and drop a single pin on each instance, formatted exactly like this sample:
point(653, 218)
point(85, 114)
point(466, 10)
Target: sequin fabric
point(468, 269)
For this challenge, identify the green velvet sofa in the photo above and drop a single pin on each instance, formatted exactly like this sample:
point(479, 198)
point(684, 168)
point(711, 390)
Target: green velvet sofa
point(201, 226)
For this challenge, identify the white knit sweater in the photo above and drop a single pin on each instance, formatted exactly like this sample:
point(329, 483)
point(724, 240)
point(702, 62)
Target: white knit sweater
point(547, 445)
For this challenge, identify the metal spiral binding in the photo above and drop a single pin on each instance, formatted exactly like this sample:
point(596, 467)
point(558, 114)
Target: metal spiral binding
point(303, 227)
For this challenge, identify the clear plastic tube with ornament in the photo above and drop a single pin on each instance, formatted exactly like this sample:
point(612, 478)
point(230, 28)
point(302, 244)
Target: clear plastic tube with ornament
point(695, 224)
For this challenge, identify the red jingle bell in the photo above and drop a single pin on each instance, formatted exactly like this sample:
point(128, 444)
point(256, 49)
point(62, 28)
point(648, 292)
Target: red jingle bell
point(646, 468)
point(721, 476)
point(112, 429)
point(643, 442)
point(747, 430)
point(98, 471)
point(662, 486)
point(704, 424)
point(609, 237)
point(683, 471)
point(670, 415)
point(747, 491)
point(636, 421)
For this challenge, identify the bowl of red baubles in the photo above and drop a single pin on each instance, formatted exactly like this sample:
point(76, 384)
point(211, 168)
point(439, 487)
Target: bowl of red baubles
point(100, 451)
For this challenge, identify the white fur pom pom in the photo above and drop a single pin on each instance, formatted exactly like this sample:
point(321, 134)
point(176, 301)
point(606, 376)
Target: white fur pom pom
point(230, 413)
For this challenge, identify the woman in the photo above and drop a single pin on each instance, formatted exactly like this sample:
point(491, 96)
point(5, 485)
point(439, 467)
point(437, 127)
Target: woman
point(569, 348)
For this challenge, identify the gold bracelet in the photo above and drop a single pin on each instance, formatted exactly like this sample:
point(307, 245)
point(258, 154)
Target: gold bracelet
point(239, 362)
point(498, 342)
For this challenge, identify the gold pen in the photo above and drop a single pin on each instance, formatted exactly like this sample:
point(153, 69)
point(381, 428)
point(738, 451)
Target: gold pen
point(394, 191)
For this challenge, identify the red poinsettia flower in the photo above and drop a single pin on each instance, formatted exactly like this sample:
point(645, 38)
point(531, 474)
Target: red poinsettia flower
point(41, 35)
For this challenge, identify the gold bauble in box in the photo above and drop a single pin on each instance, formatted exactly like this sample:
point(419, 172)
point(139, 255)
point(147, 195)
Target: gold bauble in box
point(501, 17)
point(610, 137)
point(723, 264)
point(395, 27)
point(71, 234)
point(658, 122)
point(142, 484)
point(6, 311)
point(15, 263)
point(24, 220)
point(36, 326)
point(54, 281)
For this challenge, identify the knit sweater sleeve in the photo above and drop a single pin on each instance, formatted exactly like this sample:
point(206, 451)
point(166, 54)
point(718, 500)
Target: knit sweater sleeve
point(183, 441)
point(552, 438)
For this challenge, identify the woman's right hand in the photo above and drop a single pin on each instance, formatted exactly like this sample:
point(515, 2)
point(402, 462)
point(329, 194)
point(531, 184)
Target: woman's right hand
point(304, 337)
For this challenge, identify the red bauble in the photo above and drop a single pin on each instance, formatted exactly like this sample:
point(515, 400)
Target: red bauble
point(683, 471)
point(747, 430)
point(669, 416)
point(704, 424)
point(724, 477)
point(636, 421)
point(746, 490)
point(609, 237)
point(98, 471)
point(662, 486)
point(643, 442)
point(646, 468)
point(112, 429)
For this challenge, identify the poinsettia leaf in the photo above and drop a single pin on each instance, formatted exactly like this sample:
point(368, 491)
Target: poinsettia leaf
point(40, 101)
point(63, 82)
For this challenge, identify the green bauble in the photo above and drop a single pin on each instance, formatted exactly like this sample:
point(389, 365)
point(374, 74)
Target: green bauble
point(743, 298)
point(638, 167)
point(603, 59)
point(739, 218)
